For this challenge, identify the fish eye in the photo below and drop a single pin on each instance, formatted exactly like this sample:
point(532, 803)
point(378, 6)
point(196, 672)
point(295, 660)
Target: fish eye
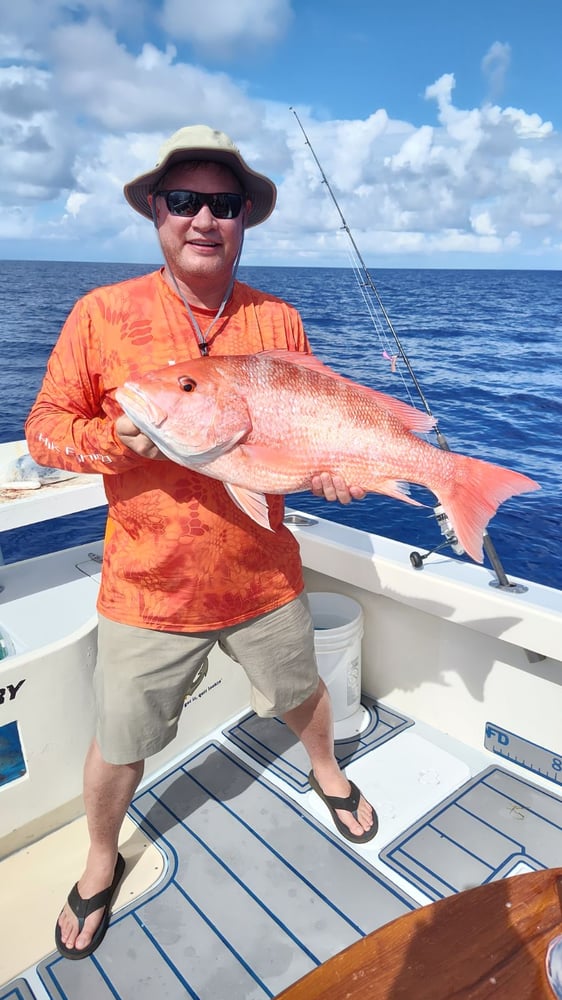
point(186, 383)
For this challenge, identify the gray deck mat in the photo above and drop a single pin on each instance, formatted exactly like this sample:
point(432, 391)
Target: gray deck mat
point(18, 989)
point(271, 743)
point(491, 826)
point(257, 894)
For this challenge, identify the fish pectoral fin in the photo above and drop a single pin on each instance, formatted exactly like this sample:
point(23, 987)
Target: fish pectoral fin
point(399, 491)
point(252, 503)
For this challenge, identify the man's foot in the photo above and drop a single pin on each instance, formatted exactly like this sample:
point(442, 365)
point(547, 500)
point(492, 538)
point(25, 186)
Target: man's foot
point(83, 921)
point(353, 816)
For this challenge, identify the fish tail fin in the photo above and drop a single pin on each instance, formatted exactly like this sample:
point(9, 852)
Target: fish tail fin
point(473, 496)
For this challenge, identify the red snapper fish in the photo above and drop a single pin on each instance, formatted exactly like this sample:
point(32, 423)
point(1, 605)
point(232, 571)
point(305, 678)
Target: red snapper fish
point(266, 423)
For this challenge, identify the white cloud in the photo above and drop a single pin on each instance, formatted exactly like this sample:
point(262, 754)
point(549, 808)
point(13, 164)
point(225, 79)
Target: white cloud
point(415, 150)
point(76, 201)
point(527, 126)
point(11, 47)
point(220, 25)
point(537, 219)
point(537, 171)
point(482, 224)
point(495, 65)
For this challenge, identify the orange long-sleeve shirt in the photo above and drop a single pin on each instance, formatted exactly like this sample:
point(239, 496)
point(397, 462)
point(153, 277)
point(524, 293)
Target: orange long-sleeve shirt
point(179, 554)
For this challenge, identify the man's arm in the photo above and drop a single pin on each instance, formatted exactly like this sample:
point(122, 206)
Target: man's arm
point(72, 424)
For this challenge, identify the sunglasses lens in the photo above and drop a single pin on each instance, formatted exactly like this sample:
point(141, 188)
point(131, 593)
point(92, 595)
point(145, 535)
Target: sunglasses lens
point(189, 203)
point(183, 202)
point(225, 206)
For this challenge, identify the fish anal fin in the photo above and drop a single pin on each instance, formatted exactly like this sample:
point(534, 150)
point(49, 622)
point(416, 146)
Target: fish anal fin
point(252, 503)
point(399, 491)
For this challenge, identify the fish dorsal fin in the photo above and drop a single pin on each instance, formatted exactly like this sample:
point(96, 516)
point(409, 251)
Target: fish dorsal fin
point(410, 418)
point(252, 503)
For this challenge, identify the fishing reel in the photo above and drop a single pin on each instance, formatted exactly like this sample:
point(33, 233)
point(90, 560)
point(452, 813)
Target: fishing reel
point(450, 539)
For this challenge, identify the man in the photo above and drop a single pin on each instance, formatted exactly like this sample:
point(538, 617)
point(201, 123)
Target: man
point(183, 567)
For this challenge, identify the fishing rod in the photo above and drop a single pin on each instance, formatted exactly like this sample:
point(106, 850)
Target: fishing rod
point(445, 526)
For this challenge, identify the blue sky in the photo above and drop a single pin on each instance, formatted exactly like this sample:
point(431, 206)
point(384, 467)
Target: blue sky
point(438, 124)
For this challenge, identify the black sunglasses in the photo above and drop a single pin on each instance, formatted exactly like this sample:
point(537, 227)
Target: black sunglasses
point(189, 203)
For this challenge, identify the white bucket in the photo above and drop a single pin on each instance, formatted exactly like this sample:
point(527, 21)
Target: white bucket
point(338, 630)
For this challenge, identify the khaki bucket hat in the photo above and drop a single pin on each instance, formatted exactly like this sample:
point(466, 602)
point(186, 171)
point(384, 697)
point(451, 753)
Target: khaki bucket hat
point(199, 142)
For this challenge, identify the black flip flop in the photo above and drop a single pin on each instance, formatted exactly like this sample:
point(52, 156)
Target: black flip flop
point(349, 804)
point(82, 909)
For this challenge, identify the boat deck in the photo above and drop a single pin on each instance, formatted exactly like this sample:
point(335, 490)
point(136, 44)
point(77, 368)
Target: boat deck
point(256, 887)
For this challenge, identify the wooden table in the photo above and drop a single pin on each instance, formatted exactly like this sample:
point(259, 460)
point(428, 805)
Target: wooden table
point(487, 943)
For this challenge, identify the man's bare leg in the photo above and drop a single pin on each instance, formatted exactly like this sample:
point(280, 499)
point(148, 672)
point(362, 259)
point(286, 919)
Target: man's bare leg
point(312, 723)
point(108, 791)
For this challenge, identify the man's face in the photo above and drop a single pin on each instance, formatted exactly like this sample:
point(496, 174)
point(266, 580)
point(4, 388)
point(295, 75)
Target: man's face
point(201, 247)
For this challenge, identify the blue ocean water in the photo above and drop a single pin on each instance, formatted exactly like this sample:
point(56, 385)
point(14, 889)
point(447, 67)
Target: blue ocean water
point(485, 347)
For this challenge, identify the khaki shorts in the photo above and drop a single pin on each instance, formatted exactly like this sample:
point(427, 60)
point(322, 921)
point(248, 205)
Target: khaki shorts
point(142, 675)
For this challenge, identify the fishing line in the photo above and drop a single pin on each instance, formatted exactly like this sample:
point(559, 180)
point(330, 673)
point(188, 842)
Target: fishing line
point(380, 329)
point(372, 298)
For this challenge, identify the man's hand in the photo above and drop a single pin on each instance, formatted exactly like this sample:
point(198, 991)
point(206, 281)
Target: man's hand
point(135, 440)
point(334, 488)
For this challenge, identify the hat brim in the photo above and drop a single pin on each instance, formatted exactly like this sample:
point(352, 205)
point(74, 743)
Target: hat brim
point(259, 189)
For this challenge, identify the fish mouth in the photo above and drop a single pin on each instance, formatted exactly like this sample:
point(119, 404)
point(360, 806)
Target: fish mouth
point(137, 404)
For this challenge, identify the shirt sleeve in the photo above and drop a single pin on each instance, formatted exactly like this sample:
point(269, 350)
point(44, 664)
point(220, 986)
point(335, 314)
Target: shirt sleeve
point(297, 338)
point(71, 424)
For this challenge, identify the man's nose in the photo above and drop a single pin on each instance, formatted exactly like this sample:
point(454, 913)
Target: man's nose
point(204, 217)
